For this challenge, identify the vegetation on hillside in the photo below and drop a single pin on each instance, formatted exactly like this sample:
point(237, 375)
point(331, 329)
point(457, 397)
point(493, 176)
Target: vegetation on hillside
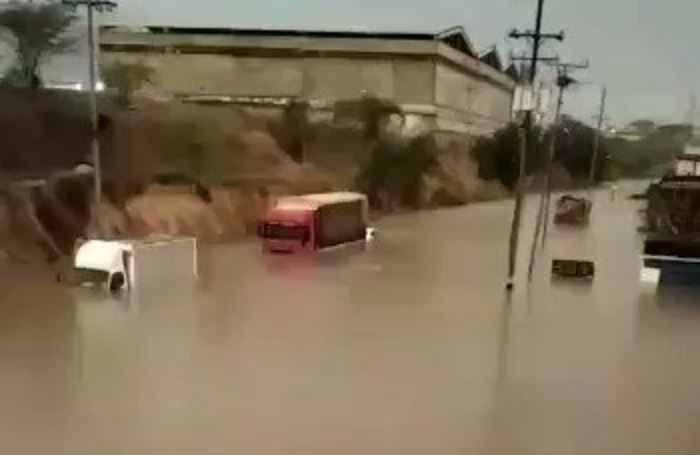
point(165, 163)
point(292, 130)
point(394, 173)
point(34, 32)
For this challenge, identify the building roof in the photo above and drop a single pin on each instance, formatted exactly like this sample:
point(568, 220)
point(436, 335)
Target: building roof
point(492, 58)
point(688, 157)
point(451, 46)
point(455, 37)
point(314, 201)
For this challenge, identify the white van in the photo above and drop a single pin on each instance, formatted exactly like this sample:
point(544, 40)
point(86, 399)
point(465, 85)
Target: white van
point(120, 264)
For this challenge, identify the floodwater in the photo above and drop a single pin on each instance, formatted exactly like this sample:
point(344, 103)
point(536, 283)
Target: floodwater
point(409, 347)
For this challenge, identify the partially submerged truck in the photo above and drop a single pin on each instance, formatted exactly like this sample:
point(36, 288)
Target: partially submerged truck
point(315, 222)
point(130, 264)
point(673, 222)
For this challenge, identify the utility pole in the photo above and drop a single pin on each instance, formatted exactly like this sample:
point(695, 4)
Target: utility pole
point(537, 38)
point(100, 6)
point(598, 137)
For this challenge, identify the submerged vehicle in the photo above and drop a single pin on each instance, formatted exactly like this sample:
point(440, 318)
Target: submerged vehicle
point(673, 222)
point(128, 264)
point(572, 210)
point(316, 222)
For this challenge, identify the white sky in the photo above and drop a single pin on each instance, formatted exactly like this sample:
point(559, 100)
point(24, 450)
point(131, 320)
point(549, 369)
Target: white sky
point(644, 50)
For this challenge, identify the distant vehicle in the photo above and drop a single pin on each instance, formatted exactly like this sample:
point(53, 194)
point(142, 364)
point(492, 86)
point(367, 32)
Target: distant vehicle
point(125, 264)
point(316, 222)
point(573, 210)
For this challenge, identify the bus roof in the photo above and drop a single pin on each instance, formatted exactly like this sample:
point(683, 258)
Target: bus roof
point(314, 201)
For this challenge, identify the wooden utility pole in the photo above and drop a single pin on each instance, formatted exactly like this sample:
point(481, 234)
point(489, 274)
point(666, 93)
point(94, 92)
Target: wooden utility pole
point(92, 6)
point(528, 139)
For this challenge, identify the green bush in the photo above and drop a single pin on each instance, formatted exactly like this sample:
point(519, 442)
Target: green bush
point(498, 157)
point(575, 145)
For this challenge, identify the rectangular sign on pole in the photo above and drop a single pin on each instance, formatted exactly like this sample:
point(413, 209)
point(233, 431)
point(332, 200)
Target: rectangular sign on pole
point(523, 99)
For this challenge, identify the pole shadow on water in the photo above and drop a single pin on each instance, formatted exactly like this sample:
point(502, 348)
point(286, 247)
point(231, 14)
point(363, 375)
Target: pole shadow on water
point(504, 338)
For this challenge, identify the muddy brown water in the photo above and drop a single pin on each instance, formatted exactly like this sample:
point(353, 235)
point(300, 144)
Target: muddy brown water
point(408, 347)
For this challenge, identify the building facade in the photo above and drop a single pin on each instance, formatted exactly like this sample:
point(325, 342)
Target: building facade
point(439, 80)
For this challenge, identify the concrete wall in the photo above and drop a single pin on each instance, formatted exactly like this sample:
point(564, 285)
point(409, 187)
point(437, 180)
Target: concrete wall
point(330, 79)
point(194, 74)
point(475, 105)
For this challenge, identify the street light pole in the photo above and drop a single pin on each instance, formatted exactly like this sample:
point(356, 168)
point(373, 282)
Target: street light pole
point(92, 6)
point(543, 211)
point(563, 82)
point(549, 168)
point(598, 137)
point(94, 119)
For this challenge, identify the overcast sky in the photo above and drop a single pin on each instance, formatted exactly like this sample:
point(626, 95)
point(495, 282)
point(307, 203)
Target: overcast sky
point(644, 50)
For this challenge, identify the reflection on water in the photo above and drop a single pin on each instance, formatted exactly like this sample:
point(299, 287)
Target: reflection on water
point(409, 346)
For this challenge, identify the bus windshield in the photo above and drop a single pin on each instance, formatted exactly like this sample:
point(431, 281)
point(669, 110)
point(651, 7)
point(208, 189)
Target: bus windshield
point(284, 231)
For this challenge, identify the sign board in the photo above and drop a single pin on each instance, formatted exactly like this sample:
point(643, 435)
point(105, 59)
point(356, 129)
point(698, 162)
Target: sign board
point(528, 99)
point(564, 268)
point(524, 99)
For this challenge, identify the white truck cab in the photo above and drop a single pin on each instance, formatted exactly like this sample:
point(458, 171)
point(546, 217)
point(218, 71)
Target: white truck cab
point(104, 262)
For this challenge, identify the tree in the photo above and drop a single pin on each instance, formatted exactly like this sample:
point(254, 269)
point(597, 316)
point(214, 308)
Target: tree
point(372, 112)
point(575, 148)
point(126, 79)
point(293, 129)
point(34, 31)
point(498, 157)
point(643, 126)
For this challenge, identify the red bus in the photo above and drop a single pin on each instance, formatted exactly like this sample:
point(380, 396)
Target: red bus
point(315, 222)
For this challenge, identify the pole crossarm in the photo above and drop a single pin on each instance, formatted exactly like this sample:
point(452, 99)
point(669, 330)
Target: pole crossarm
point(98, 5)
point(516, 34)
point(526, 58)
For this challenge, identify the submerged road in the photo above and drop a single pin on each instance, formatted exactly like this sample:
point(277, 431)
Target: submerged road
point(409, 347)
